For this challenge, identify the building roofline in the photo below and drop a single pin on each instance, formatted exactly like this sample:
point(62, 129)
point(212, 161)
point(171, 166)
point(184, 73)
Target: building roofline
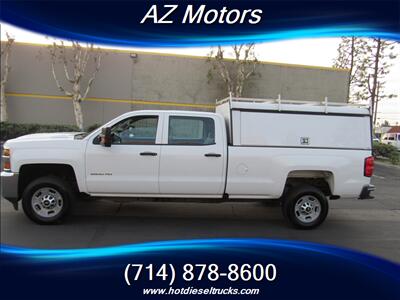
point(197, 57)
point(394, 129)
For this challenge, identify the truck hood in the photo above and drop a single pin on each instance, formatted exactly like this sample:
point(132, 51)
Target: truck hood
point(58, 139)
point(47, 136)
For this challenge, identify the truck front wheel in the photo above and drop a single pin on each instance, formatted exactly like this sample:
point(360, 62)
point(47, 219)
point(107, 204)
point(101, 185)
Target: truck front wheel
point(47, 200)
point(305, 206)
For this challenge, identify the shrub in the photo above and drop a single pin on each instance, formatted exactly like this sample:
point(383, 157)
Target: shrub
point(13, 130)
point(92, 127)
point(388, 151)
point(394, 158)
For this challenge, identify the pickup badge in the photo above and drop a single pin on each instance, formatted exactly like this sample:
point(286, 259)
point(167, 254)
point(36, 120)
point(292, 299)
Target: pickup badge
point(101, 174)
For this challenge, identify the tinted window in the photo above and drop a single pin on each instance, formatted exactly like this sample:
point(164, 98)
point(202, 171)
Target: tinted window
point(135, 130)
point(191, 131)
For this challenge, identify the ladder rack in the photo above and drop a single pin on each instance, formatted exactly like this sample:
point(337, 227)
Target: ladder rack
point(280, 101)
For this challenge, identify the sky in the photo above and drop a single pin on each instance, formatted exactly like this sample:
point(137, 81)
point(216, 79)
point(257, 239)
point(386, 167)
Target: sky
point(314, 52)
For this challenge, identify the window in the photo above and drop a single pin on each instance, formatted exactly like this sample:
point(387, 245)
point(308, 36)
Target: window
point(135, 130)
point(191, 131)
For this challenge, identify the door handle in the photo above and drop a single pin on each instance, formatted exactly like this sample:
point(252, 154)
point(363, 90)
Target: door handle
point(212, 155)
point(147, 153)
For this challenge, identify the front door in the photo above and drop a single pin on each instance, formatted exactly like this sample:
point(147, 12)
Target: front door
point(131, 164)
point(192, 156)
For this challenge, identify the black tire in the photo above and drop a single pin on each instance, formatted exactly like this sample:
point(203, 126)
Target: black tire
point(297, 193)
point(54, 185)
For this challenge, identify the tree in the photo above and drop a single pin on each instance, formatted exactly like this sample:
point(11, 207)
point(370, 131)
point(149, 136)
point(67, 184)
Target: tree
point(369, 61)
point(377, 64)
point(233, 72)
point(75, 59)
point(5, 64)
point(350, 53)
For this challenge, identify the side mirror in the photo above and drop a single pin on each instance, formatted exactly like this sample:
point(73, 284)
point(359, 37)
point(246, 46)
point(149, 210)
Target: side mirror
point(106, 137)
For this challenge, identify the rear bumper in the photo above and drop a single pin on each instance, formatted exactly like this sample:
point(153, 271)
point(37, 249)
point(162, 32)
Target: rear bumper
point(9, 187)
point(366, 191)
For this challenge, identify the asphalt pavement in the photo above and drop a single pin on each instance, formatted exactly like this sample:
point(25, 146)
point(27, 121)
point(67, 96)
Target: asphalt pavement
point(371, 226)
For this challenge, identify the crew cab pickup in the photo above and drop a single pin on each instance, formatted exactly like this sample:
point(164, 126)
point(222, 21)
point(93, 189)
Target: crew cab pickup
point(299, 153)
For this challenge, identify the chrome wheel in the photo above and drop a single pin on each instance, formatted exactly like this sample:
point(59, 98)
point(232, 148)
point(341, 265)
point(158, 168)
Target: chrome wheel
point(307, 209)
point(47, 202)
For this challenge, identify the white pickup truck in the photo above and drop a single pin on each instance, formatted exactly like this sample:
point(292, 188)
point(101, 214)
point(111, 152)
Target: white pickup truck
point(299, 153)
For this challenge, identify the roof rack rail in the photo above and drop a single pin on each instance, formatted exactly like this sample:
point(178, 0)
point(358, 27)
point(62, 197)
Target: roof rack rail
point(280, 101)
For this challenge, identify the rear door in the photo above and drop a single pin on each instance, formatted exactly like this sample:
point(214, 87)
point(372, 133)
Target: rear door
point(192, 156)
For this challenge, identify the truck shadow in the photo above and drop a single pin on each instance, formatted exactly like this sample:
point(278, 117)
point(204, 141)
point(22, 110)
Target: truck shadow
point(105, 223)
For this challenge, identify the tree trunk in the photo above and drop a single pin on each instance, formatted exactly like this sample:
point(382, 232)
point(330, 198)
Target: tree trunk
point(376, 104)
point(3, 108)
point(230, 89)
point(239, 90)
point(375, 79)
point(78, 113)
point(375, 111)
point(353, 39)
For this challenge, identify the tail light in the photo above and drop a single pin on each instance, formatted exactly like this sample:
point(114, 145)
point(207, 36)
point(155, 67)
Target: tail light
point(369, 166)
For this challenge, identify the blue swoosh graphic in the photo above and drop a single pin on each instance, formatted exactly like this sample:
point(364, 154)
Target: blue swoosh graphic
point(226, 244)
point(97, 272)
point(118, 22)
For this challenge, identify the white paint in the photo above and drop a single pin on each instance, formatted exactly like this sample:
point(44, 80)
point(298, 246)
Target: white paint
point(289, 129)
point(185, 169)
point(180, 170)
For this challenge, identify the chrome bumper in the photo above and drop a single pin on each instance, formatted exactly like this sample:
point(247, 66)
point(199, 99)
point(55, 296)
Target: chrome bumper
point(9, 187)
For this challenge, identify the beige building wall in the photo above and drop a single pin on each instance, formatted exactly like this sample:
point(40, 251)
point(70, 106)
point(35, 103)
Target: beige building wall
point(151, 81)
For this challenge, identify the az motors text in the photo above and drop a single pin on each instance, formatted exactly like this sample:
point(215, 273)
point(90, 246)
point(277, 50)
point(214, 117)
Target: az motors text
point(164, 15)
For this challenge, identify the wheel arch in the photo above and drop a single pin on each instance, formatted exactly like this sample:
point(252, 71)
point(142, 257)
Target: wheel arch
point(30, 172)
point(321, 179)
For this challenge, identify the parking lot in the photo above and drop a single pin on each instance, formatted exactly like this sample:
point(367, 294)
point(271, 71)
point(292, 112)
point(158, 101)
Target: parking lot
point(371, 226)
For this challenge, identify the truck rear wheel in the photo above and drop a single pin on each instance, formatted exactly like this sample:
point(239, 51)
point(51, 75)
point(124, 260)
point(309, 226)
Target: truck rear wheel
point(305, 206)
point(47, 200)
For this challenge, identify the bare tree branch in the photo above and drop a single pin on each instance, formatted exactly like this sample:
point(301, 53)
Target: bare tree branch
point(59, 86)
point(53, 57)
point(372, 60)
point(5, 55)
point(234, 72)
point(97, 61)
point(80, 57)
